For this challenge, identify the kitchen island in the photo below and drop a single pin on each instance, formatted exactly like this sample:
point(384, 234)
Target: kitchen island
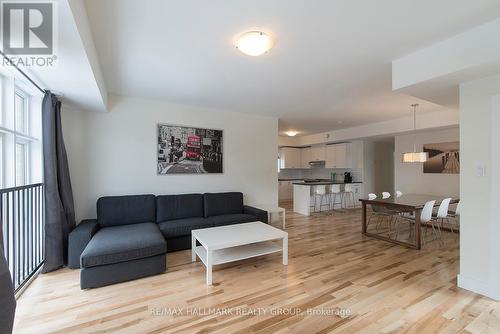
point(303, 191)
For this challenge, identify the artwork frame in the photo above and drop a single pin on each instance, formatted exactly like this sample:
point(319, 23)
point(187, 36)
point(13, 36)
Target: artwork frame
point(444, 158)
point(185, 149)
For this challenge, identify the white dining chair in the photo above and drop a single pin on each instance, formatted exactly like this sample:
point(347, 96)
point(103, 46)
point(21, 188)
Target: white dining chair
point(441, 216)
point(386, 195)
point(425, 217)
point(378, 212)
point(398, 194)
point(456, 217)
point(334, 192)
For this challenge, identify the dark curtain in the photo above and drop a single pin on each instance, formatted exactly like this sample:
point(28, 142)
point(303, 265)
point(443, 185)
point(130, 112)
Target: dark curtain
point(59, 207)
point(7, 299)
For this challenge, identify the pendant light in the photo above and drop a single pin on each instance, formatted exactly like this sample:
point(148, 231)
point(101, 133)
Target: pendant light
point(415, 156)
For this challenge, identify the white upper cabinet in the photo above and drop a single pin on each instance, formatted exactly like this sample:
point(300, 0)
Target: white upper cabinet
point(318, 153)
point(306, 156)
point(338, 156)
point(290, 157)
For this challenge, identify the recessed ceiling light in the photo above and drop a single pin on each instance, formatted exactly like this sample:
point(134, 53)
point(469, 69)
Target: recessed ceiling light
point(254, 43)
point(291, 133)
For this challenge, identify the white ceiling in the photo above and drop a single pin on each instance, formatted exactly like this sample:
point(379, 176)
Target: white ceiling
point(331, 62)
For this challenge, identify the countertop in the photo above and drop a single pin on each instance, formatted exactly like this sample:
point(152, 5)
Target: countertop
point(323, 183)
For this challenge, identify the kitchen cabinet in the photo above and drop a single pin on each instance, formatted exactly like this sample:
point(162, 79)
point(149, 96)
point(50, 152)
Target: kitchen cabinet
point(290, 157)
point(305, 157)
point(285, 190)
point(318, 153)
point(311, 153)
point(338, 156)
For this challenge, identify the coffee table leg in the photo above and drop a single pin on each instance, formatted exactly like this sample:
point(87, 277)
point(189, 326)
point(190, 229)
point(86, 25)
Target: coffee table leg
point(193, 247)
point(285, 251)
point(209, 267)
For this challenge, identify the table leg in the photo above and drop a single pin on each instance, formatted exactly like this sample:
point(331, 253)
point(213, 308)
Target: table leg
point(363, 218)
point(418, 239)
point(193, 248)
point(285, 250)
point(209, 267)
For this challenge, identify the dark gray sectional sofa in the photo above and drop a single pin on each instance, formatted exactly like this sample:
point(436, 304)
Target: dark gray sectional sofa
point(132, 234)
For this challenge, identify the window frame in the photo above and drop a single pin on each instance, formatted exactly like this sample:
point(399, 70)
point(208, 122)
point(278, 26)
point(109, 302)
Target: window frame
point(27, 161)
point(26, 112)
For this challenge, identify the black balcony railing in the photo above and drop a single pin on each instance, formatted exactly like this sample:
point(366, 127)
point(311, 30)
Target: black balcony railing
point(21, 213)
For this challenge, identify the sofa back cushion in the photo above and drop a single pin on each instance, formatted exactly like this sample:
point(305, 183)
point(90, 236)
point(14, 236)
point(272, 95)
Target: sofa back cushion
point(170, 207)
point(124, 210)
point(216, 204)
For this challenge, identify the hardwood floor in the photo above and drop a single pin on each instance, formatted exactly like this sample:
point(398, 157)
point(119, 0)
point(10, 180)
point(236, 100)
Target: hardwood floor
point(380, 287)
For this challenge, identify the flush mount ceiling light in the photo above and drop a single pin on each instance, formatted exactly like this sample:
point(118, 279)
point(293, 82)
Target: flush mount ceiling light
point(291, 133)
point(415, 156)
point(254, 43)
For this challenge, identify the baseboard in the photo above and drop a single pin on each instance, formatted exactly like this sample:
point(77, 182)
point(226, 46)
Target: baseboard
point(477, 286)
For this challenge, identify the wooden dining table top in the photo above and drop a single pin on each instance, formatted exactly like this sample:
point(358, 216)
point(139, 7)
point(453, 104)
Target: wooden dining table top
point(409, 201)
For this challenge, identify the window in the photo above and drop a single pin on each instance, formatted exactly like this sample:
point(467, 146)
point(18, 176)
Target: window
point(20, 133)
point(21, 112)
point(22, 164)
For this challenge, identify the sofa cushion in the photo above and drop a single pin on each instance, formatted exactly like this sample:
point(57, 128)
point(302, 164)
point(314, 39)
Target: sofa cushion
point(116, 244)
point(182, 227)
point(222, 203)
point(170, 207)
point(232, 219)
point(122, 210)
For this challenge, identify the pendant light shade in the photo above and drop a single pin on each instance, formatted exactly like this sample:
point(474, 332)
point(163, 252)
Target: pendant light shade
point(415, 156)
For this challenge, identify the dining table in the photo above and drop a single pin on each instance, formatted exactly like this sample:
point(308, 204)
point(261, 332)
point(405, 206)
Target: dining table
point(405, 203)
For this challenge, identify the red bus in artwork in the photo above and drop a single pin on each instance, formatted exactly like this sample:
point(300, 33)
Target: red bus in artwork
point(193, 148)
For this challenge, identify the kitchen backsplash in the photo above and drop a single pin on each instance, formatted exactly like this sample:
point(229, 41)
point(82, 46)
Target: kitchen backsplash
point(319, 173)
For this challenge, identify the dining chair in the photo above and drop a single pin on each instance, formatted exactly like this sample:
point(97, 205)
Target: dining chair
point(398, 194)
point(334, 191)
point(386, 195)
point(456, 217)
point(441, 214)
point(377, 211)
point(425, 217)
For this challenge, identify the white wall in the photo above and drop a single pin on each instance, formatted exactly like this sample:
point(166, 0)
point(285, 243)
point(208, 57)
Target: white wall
point(410, 178)
point(378, 167)
point(114, 153)
point(479, 195)
point(435, 120)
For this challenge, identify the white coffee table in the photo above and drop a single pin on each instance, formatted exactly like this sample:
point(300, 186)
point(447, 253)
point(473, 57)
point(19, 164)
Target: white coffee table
point(236, 242)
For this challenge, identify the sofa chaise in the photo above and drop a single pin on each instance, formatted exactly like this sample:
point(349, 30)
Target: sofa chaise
point(132, 234)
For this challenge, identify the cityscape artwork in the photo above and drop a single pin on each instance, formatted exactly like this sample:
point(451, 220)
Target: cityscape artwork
point(444, 158)
point(188, 150)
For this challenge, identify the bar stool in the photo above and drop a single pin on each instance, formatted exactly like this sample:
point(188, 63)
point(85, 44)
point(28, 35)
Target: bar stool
point(320, 192)
point(348, 191)
point(312, 203)
point(334, 192)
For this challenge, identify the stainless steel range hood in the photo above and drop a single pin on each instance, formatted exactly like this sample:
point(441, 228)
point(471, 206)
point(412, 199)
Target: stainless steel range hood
point(317, 162)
